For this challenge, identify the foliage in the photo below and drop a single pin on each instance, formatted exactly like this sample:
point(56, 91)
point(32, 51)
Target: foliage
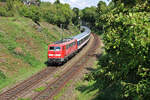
point(32, 12)
point(57, 13)
point(57, 2)
point(24, 48)
point(10, 4)
point(2, 0)
point(40, 89)
point(2, 75)
point(4, 12)
point(24, 99)
point(76, 18)
point(101, 10)
point(101, 7)
point(124, 68)
point(89, 16)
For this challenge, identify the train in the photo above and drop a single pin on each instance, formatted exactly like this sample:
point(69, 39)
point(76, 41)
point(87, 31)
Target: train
point(61, 51)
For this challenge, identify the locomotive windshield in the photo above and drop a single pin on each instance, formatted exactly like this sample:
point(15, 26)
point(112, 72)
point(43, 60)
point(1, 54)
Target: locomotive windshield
point(54, 48)
point(57, 48)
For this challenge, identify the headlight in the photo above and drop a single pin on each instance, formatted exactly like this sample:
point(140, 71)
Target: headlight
point(57, 54)
point(51, 54)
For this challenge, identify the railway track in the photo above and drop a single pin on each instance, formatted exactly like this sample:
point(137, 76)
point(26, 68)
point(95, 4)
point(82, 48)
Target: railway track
point(53, 87)
point(25, 85)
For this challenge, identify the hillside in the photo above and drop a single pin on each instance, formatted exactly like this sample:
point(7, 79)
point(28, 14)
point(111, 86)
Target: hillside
point(23, 47)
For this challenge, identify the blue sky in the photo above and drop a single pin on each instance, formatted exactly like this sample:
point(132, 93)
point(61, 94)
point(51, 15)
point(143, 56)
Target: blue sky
point(80, 3)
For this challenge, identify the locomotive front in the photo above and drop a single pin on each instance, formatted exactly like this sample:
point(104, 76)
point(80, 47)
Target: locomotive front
point(55, 53)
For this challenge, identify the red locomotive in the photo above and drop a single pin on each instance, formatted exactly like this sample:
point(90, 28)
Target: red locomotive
point(61, 51)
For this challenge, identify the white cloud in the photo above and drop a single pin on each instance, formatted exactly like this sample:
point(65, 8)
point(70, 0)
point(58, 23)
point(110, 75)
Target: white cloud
point(79, 3)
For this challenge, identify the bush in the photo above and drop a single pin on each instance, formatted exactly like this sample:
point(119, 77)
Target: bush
point(57, 13)
point(125, 68)
point(2, 75)
point(4, 12)
point(30, 12)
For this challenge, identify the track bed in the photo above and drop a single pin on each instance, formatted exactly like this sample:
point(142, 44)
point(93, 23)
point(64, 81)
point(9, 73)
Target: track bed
point(24, 89)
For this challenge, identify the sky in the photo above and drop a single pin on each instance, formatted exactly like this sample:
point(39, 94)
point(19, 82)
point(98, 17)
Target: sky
point(79, 3)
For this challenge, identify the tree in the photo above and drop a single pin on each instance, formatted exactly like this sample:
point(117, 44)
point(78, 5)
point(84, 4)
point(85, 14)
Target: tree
point(129, 3)
point(75, 19)
point(2, 0)
point(124, 68)
point(10, 4)
point(101, 7)
point(57, 2)
point(89, 16)
point(76, 10)
point(57, 13)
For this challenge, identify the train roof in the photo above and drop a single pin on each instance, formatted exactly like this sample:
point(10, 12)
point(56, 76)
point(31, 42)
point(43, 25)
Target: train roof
point(86, 32)
point(63, 41)
point(78, 37)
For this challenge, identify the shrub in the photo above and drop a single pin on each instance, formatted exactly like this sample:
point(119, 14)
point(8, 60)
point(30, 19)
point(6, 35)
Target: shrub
point(4, 12)
point(125, 68)
point(2, 75)
point(30, 12)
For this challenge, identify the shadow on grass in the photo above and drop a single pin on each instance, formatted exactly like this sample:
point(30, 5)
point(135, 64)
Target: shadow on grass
point(108, 93)
point(106, 89)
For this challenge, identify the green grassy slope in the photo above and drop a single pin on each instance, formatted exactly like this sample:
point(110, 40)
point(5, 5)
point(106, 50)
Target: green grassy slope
point(23, 47)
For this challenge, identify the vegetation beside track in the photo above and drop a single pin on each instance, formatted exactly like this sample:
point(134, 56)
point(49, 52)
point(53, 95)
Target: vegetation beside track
point(124, 68)
point(24, 47)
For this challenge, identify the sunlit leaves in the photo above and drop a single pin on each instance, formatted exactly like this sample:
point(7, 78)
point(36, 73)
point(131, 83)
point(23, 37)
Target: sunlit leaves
point(127, 47)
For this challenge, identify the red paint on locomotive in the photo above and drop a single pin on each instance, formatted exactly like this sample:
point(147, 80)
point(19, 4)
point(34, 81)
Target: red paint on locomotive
point(59, 52)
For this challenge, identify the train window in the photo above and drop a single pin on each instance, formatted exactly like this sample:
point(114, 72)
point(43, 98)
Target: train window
point(57, 48)
point(74, 43)
point(67, 46)
point(78, 43)
point(51, 48)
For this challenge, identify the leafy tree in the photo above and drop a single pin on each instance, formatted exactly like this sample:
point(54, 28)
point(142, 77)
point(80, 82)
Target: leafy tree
point(101, 7)
point(124, 68)
point(76, 10)
point(129, 3)
point(75, 19)
point(2, 0)
point(101, 10)
point(57, 2)
point(89, 15)
point(30, 12)
point(10, 4)
point(57, 14)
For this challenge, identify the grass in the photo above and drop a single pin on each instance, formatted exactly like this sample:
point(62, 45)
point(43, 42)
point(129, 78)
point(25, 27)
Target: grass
point(86, 90)
point(24, 99)
point(57, 75)
point(62, 90)
point(23, 47)
point(40, 89)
